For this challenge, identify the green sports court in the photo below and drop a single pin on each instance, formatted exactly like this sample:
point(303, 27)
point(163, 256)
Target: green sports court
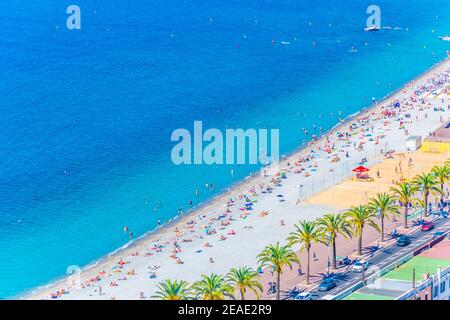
point(399, 280)
point(365, 296)
point(421, 265)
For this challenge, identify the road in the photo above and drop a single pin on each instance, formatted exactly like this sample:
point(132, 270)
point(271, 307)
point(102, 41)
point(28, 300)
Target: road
point(383, 258)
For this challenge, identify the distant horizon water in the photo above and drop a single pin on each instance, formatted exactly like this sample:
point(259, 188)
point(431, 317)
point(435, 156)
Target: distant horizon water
point(87, 115)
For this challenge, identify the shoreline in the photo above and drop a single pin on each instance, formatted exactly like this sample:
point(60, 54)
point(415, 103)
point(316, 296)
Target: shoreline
point(217, 201)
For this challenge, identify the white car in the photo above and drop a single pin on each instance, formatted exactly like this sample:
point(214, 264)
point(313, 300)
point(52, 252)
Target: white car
point(360, 266)
point(305, 295)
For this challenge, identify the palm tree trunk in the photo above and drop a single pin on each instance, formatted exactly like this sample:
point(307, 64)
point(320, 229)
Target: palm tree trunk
point(307, 266)
point(442, 194)
point(382, 228)
point(360, 244)
point(426, 204)
point(333, 255)
point(278, 284)
point(405, 217)
point(242, 293)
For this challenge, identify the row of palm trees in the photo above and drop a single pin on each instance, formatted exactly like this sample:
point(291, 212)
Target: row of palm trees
point(212, 287)
point(324, 230)
point(426, 184)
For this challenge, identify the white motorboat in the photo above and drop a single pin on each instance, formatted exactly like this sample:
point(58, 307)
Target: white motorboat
point(372, 28)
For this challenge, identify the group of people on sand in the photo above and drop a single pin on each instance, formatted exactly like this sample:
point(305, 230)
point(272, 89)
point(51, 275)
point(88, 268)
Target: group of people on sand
point(203, 230)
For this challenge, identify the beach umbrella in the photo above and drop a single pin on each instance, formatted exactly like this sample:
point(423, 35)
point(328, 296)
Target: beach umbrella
point(360, 169)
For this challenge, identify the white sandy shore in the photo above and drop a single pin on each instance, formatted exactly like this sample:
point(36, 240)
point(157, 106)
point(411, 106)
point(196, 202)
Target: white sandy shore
point(253, 232)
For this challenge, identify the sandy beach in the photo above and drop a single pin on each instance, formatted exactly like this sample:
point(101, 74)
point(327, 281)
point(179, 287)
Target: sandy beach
point(234, 227)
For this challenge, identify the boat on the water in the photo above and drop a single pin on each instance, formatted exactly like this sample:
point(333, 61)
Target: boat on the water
point(445, 38)
point(372, 28)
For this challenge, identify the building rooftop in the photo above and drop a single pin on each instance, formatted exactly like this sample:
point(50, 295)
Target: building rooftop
point(442, 134)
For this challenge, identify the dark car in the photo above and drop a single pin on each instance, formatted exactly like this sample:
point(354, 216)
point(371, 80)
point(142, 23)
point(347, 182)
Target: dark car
point(403, 241)
point(437, 234)
point(427, 226)
point(327, 285)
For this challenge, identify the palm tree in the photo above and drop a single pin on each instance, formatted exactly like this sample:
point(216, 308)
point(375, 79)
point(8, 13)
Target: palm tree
point(245, 278)
point(447, 163)
point(277, 258)
point(332, 225)
point(359, 217)
point(176, 290)
point(427, 184)
point(404, 193)
point(213, 287)
point(442, 174)
point(306, 233)
point(383, 204)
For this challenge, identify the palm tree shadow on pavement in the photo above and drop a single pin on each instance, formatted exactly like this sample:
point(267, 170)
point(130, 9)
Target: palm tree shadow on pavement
point(337, 276)
point(371, 250)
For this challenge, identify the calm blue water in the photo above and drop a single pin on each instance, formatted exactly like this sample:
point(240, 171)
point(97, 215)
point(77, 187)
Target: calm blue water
point(86, 116)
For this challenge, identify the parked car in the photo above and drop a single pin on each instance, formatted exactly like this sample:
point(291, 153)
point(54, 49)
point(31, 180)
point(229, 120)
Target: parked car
point(403, 241)
point(437, 234)
point(343, 261)
point(359, 266)
point(427, 226)
point(327, 284)
point(305, 295)
point(395, 234)
point(293, 293)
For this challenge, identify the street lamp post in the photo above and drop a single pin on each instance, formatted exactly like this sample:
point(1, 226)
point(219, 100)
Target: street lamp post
point(273, 283)
point(300, 186)
point(363, 276)
point(328, 247)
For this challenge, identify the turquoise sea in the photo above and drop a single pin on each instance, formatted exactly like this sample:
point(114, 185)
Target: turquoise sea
point(86, 115)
